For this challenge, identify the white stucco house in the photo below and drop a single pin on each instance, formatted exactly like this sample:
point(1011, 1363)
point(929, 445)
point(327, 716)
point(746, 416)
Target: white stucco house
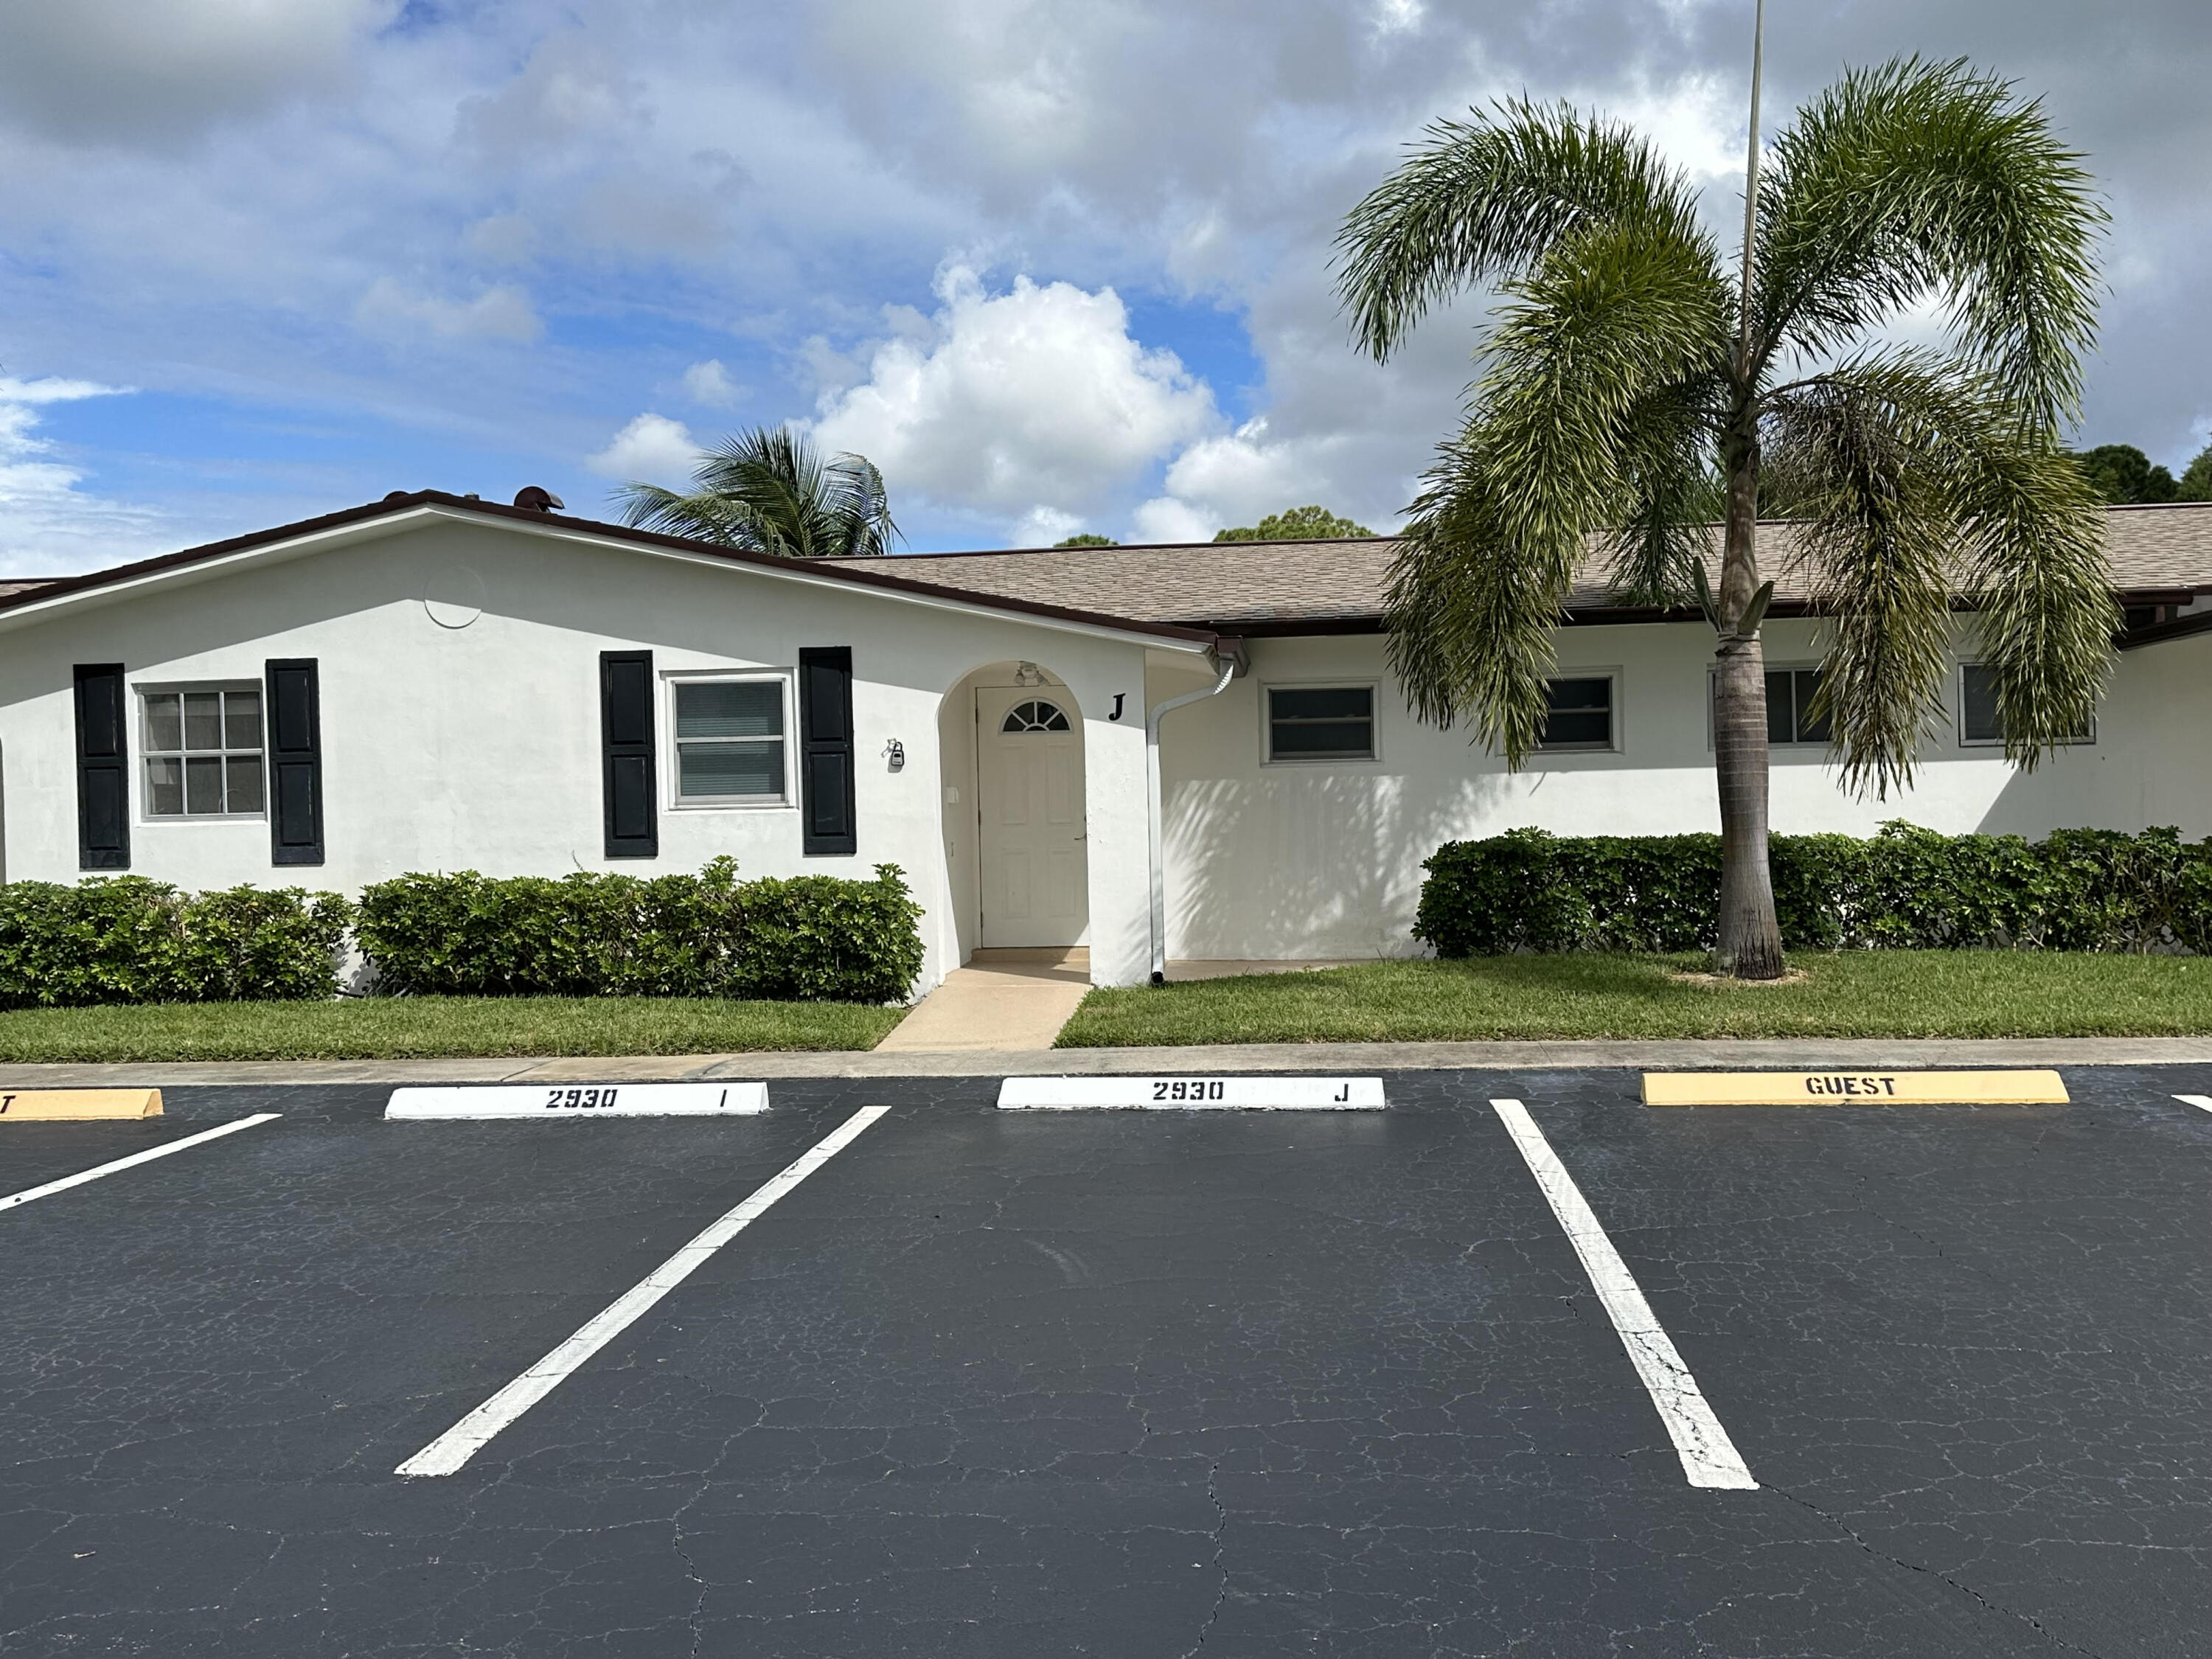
point(432, 682)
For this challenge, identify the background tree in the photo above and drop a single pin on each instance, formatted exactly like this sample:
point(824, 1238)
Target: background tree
point(1086, 540)
point(768, 490)
point(2124, 475)
point(1629, 377)
point(2196, 482)
point(1296, 523)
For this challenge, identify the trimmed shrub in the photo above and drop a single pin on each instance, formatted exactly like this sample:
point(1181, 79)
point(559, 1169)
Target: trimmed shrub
point(814, 937)
point(587, 934)
point(126, 938)
point(1907, 888)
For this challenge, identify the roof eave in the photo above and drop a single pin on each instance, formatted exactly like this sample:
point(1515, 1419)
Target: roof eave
point(399, 513)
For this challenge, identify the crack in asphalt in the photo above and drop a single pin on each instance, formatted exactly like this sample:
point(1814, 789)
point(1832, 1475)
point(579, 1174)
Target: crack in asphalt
point(1220, 1538)
point(1967, 1590)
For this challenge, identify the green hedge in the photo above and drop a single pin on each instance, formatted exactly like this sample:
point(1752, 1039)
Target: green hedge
point(812, 938)
point(2078, 890)
point(126, 939)
point(129, 939)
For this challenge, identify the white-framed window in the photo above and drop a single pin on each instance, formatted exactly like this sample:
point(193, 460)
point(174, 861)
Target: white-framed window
point(1582, 712)
point(1981, 722)
point(730, 738)
point(1310, 725)
point(200, 750)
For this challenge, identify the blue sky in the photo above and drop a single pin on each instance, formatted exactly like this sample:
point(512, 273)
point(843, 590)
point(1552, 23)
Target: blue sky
point(1055, 266)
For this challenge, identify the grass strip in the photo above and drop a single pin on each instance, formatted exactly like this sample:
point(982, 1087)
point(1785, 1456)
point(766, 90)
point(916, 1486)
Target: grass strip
point(1864, 993)
point(435, 1028)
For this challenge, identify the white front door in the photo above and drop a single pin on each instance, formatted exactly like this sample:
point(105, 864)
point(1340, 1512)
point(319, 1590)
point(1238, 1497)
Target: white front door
point(1029, 758)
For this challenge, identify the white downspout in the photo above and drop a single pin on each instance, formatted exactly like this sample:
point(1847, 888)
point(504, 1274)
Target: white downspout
point(1152, 834)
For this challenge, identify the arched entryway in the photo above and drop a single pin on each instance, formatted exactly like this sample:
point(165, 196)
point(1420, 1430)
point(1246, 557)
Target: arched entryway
point(1028, 877)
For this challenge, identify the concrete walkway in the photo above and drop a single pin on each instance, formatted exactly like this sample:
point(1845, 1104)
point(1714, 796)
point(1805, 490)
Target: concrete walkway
point(1002, 999)
point(1016, 1000)
point(1227, 1058)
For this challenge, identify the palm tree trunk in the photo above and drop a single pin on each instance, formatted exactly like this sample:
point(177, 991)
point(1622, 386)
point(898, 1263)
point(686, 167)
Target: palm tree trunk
point(1749, 945)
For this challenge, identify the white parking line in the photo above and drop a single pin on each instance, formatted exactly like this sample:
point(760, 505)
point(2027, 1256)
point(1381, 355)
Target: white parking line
point(1709, 1456)
point(450, 1451)
point(2203, 1103)
point(147, 1157)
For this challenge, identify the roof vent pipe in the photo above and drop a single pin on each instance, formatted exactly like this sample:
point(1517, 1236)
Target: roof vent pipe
point(1224, 666)
point(532, 499)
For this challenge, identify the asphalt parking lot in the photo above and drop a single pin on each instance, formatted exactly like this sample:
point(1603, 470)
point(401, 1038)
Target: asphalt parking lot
point(1130, 1383)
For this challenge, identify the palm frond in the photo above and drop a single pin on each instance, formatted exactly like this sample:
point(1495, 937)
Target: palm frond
point(1617, 320)
point(1922, 487)
point(1470, 623)
point(1675, 497)
point(2041, 585)
point(860, 506)
point(1877, 532)
point(1915, 180)
point(1485, 199)
point(767, 490)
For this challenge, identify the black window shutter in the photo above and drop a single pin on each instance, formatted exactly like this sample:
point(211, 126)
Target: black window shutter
point(825, 741)
point(295, 731)
point(626, 734)
point(103, 768)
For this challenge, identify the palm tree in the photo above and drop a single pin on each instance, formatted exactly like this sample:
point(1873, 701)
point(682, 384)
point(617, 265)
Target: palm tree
point(769, 491)
point(1630, 391)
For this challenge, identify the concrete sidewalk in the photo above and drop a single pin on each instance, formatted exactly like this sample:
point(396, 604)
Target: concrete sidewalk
point(1001, 999)
point(1320, 1057)
point(1018, 999)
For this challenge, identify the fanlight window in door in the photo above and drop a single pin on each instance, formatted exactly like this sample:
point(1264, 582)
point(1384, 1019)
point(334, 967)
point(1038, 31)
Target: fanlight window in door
point(1037, 715)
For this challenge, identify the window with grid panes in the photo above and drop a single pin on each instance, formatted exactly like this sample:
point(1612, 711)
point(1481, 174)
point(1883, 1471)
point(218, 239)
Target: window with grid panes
point(201, 747)
point(729, 740)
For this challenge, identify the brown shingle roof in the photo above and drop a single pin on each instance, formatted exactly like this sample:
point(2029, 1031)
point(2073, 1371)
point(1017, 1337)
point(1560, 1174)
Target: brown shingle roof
point(1229, 587)
point(1259, 587)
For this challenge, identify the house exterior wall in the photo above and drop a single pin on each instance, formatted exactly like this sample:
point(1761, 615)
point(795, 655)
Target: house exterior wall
point(479, 746)
point(1286, 862)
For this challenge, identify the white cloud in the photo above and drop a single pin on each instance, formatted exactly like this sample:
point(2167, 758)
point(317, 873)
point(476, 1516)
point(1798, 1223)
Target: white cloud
point(710, 384)
point(652, 448)
point(47, 525)
point(202, 193)
point(1037, 399)
point(1164, 519)
point(51, 389)
point(1696, 122)
point(498, 313)
point(1392, 16)
point(1240, 477)
point(1040, 527)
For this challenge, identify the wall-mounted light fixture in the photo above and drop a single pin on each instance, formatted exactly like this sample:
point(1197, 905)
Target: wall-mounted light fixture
point(1028, 673)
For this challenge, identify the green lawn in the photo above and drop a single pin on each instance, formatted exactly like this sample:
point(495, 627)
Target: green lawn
point(1876, 994)
point(423, 1027)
